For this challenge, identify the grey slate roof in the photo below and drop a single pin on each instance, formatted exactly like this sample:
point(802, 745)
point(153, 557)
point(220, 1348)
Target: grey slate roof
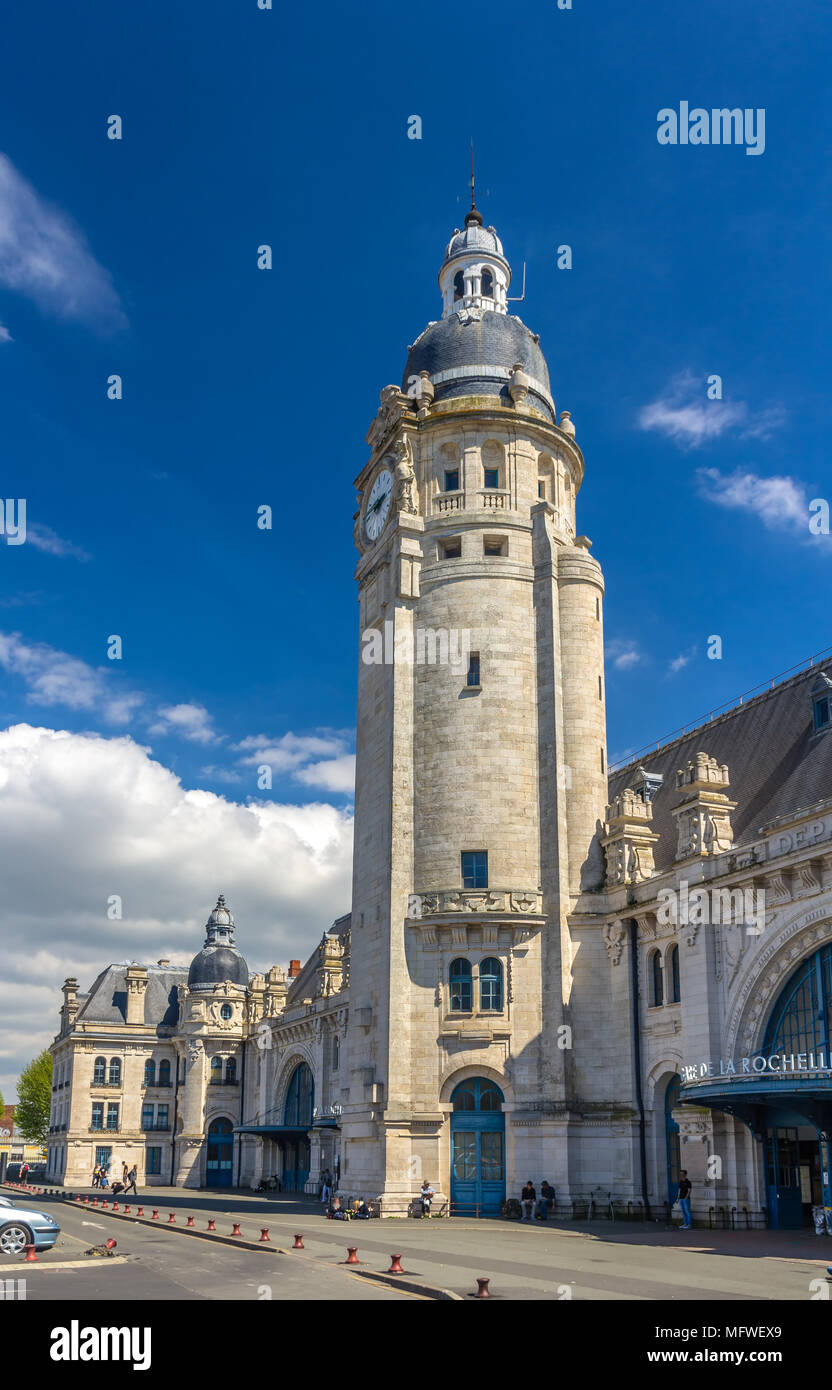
point(213, 964)
point(106, 1001)
point(776, 763)
point(494, 340)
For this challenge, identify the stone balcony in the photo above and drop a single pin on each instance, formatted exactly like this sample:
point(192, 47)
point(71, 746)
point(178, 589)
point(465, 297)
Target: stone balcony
point(456, 910)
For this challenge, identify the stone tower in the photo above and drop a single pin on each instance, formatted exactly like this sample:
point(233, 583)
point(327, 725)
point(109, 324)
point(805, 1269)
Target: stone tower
point(481, 760)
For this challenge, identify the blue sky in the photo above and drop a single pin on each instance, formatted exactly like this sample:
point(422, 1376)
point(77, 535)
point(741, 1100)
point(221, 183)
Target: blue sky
point(244, 387)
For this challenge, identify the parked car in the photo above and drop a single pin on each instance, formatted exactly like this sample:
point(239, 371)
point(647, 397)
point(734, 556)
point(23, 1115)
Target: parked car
point(36, 1174)
point(22, 1225)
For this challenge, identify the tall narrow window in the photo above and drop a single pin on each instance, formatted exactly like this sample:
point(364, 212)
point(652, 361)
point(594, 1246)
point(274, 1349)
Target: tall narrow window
point(97, 1119)
point(600, 694)
point(656, 979)
point(147, 1115)
point(336, 1052)
point(674, 975)
point(150, 1072)
point(164, 1073)
point(487, 285)
point(114, 1077)
point(112, 1115)
point(474, 868)
point(216, 1071)
point(99, 1071)
point(462, 986)
point(491, 985)
point(452, 480)
point(603, 769)
point(473, 680)
point(459, 285)
point(231, 1071)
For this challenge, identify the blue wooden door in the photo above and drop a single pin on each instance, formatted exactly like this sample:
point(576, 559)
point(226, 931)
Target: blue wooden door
point(219, 1164)
point(783, 1192)
point(478, 1167)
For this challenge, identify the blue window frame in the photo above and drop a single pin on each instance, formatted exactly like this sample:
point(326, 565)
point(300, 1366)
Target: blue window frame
point(226, 1012)
point(674, 975)
point(656, 979)
point(114, 1075)
point(300, 1098)
point(150, 1072)
point(103, 1154)
point(491, 477)
point(474, 868)
point(112, 1114)
point(462, 986)
point(231, 1070)
point(147, 1115)
point(823, 712)
point(153, 1161)
point(99, 1071)
point(801, 1020)
point(452, 480)
point(97, 1117)
point(474, 670)
point(162, 1120)
point(491, 985)
point(164, 1073)
point(216, 1071)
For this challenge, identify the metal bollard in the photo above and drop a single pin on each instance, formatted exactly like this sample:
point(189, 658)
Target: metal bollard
point(31, 1257)
point(172, 1218)
point(482, 1289)
point(352, 1255)
point(155, 1216)
point(212, 1225)
point(236, 1231)
point(126, 1211)
point(190, 1221)
point(298, 1245)
point(140, 1211)
point(264, 1233)
point(396, 1265)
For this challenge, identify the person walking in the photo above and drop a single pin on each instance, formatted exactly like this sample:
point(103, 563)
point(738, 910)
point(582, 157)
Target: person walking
point(96, 1175)
point(131, 1181)
point(326, 1186)
point(124, 1172)
point(685, 1189)
point(527, 1197)
point(24, 1174)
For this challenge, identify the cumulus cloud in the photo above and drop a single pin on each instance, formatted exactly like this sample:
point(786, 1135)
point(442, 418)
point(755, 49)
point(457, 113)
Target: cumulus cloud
point(45, 257)
point(684, 414)
point(192, 721)
point(779, 501)
point(83, 818)
point(53, 677)
point(622, 654)
point(334, 774)
point(316, 760)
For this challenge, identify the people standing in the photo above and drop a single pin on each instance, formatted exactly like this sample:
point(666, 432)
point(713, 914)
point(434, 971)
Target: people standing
point(131, 1181)
point(124, 1172)
point(326, 1186)
point(24, 1174)
point(685, 1189)
point(426, 1197)
point(96, 1175)
point(527, 1197)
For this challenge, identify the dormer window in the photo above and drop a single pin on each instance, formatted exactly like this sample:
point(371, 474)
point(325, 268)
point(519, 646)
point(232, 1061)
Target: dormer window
point(487, 285)
point(459, 285)
point(822, 703)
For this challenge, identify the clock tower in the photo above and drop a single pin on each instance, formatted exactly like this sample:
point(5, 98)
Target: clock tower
point(481, 780)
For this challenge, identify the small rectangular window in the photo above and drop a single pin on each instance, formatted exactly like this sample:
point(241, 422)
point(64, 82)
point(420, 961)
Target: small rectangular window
point(474, 868)
point(822, 712)
point(112, 1115)
point(147, 1116)
point(162, 1117)
point(541, 488)
point(600, 689)
point(597, 608)
point(492, 477)
point(153, 1164)
point(452, 480)
point(473, 680)
point(602, 760)
point(450, 550)
point(495, 545)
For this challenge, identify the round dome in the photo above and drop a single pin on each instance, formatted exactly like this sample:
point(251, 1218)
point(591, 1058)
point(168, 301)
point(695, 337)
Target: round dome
point(460, 345)
point(214, 964)
point(474, 238)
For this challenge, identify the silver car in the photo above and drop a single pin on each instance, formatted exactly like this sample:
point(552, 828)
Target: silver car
point(24, 1225)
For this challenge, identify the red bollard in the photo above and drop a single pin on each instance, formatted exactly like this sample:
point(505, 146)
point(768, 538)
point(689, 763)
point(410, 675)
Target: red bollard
point(396, 1265)
point(140, 1211)
point(298, 1245)
point(115, 1206)
point(236, 1231)
point(352, 1255)
point(155, 1216)
point(31, 1257)
point(95, 1201)
point(172, 1218)
point(110, 1243)
point(126, 1211)
point(190, 1221)
point(103, 1203)
point(482, 1289)
point(212, 1225)
point(86, 1201)
point(77, 1196)
point(264, 1234)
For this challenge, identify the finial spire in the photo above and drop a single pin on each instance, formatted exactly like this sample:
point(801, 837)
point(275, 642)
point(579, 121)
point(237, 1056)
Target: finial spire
point(473, 215)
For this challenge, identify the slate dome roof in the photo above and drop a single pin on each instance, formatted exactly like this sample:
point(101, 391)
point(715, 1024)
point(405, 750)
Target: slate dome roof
point(219, 958)
point(464, 343)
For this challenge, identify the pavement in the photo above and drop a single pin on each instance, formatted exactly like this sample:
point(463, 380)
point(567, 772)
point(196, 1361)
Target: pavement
point(442, 1257)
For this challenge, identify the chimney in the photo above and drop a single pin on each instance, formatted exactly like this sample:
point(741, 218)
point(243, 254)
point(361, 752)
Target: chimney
point(163, 962)
point(136, 986)
point(294, 968)
point(70, 1004)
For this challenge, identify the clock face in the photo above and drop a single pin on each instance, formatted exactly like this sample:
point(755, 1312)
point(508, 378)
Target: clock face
point(378, 504)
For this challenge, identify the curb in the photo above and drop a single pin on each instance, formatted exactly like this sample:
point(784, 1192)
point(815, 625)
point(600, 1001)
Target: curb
point(90, 1263)
point(428, 1291)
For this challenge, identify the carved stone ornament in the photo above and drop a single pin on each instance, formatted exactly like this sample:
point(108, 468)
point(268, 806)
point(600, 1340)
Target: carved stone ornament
point(615, 934)
point(405, 477)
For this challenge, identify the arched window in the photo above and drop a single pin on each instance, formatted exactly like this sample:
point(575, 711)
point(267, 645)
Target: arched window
point(300, 1098)
point(656, 979)
point(114, 1076)
point(487, 285)
point(164, 1073)
point(491, 985)
point(150, 1072)
point(801, 1021)
point(477, 1094)
point(675, 983)
point(459, 285)
point(231, 1070)
point(99, 1071)
point(216, 1071)
point(462, 986)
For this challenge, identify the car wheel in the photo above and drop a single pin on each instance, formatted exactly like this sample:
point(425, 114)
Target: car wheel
point(14, 1238)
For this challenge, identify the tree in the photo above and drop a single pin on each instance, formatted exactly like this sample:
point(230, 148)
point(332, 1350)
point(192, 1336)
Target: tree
point(34, 1099)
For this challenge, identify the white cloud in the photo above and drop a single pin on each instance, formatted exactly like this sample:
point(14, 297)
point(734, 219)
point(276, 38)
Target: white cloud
point(684, 414)
point(192, 721)
point(44, 538)
point(5, 335)
point(84, 817)
point(622, 654)
point(779, 501)
point(681, 661)
point(315, 760)
point(54, 677)
point(334, 774)
point(45, 257)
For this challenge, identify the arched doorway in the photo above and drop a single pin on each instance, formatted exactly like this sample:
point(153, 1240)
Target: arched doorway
point(297, 1115)
point(797, 1157)
point(478, 1164)
point(671, 1132)
point(220, 1157)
